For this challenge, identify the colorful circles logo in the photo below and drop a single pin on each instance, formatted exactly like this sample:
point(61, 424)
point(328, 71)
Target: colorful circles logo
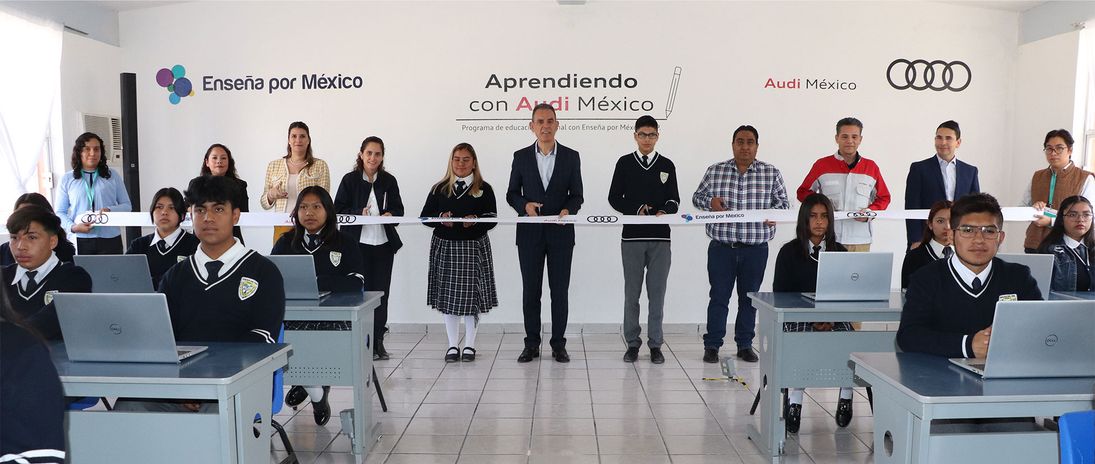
point(175, 81)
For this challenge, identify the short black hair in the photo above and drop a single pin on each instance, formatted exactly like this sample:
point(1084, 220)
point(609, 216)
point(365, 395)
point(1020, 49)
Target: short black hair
point(646, 120)
point(1062, 133)
point(952, 125)
point(544, 106)
point(216, 189)
point(849, 121)
point(20, 220)
point(976, 203)
point(176, 198)
point(746, 128)
point(33, 198)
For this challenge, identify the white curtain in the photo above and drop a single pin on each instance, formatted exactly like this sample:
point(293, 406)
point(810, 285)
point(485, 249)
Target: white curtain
point(29, 92)
point(1084, 115)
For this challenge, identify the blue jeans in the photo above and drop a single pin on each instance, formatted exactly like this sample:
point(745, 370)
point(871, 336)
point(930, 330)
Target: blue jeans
point(725, 265)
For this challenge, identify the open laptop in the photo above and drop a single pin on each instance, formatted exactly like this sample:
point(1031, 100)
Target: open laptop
point(119, 327)
point(298, 272)
point(1038, 339)
point(117, 273)
point(1041, 267)
point(843, 276)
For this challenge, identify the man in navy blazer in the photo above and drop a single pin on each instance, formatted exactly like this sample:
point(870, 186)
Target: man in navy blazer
point(941, 177)
point(545, 180)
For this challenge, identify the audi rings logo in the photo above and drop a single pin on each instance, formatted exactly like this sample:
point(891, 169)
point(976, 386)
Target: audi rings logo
point(94, 218)
point(346, 219)
point(862, 214)
point(602, 219)
point(936, 75)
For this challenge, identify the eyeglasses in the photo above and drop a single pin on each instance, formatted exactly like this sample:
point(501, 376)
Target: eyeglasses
point(647, 135)
point(987, 232)
point(1074, 215)
point(1059, 149)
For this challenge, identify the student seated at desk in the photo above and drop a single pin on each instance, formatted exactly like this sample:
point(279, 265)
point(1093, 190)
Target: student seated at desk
point(65, 249)
point(169, 244)
point(950, 303)
point(32, 404)
point(796, 271)
point(38, 273)
point(1072, 244)
point(339, 268)
point(225, 292)
point(936, 244)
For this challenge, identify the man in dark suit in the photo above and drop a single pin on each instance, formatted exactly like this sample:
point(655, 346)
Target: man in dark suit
point(545, 180)
point(941, 177)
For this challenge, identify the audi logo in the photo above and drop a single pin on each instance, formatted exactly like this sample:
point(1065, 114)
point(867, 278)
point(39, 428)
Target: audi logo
point(346, 219)
point(95, 218)
point(1051, 340)
point(602, 219)
point(937, 75)
point(862, 214)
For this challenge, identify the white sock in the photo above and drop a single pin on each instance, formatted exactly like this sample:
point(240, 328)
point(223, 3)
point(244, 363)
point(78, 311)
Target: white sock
point(794, 395)
point(314, 393)
point(470, 327)
point(452, 328)
point(845, 393)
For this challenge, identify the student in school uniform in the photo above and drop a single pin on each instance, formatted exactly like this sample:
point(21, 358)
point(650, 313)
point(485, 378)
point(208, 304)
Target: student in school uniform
point(65, 249)
point(37, 273)
point(1071, 241)
point(936, 244)
point(950, 303)
point(796, 271)
point(461, 273)
point(224, 292)
point(169, 244)
point(32, 403)
point(338, 269)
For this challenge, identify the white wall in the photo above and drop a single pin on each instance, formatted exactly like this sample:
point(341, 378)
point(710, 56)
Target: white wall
point(423, 63)
point(89, 84)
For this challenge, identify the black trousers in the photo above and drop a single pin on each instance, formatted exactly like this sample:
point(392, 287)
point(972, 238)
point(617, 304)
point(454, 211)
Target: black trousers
point(99, 246)
point(379, 260)
point(558, 257)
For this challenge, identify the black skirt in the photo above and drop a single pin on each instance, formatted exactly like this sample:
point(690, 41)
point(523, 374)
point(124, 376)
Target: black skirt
point(461, 277)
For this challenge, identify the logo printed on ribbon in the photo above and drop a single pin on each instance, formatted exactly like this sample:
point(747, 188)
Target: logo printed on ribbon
point(937, 75)
point(346, 219)
point(862, 214)
point(687, 217)
point(602, 219)
point(248, 287)
point(336, 258)
point(95, 218)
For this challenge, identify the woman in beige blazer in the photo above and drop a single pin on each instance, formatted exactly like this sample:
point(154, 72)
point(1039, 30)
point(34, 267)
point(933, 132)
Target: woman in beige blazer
point(288, 175)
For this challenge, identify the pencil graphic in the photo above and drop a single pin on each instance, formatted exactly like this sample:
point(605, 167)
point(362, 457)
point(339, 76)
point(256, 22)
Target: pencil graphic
point(672, 91)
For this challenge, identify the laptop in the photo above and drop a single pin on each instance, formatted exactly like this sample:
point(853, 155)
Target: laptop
point(1038, 339)
point(844, 276)
point(119, 327)
point(298, 272)
point(117, 273)
point(1041, 267)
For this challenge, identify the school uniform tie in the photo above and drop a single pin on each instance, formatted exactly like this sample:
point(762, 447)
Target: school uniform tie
point(162, 246)
point(313, 240)
point(947, 252)
point(214, 269)
point(646, 161)
point(460, 187)
point(977, 285)
point(32, 284)
point(817, 252)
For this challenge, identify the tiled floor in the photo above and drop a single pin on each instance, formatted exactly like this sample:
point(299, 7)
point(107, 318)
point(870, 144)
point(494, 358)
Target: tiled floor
point(595, 409)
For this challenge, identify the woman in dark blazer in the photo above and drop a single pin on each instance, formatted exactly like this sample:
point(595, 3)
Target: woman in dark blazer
point(937, 242)
point(1071, 241)
point(219, 162)
point(369, 190)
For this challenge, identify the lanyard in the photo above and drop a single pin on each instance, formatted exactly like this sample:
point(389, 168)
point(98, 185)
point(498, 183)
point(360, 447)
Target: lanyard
point(1052, 187)
point(89, 189)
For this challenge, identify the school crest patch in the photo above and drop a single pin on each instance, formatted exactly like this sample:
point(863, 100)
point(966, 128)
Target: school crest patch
point(48, 298)
point(248, 287)
point(664, 176)
point(336, 258)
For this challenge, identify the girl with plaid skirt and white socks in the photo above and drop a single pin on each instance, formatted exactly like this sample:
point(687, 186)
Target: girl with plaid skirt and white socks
point(461, 276)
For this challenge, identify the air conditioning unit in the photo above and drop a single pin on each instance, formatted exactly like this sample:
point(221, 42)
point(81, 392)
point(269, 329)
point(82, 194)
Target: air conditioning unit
point(109, 128)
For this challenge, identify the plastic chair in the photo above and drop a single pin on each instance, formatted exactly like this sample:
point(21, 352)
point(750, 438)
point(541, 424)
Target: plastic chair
point(278, 400)
point(1077, 432)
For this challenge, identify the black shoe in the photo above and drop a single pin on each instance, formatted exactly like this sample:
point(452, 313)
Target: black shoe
point(710, 355)
point(379, 353)
point(321, 409)
point(469, 354)
point(631, 354)
point(748, 355)
point(453, 355)
point(295, 396)
point(793, 417)
point(560, 355)
point(527, 354)
point(843, 412)
point(656, 356)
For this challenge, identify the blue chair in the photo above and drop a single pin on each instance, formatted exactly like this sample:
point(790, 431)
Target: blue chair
point(1077, 432)
point(278, 400)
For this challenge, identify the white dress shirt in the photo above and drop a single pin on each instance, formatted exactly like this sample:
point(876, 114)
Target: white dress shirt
point(949, 169)
point(545, 163)
point(229, 259)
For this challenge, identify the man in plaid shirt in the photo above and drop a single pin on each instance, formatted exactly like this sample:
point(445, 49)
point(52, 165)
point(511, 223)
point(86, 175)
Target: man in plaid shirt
point(738, 252)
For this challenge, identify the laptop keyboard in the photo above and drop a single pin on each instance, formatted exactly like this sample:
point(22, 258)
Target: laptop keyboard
point(319, 325)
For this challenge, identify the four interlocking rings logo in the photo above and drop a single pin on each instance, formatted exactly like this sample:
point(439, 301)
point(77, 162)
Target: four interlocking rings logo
point(936, 75)
point(602, 219)
point(862, 214)
point(346, 219)
point(94, 218)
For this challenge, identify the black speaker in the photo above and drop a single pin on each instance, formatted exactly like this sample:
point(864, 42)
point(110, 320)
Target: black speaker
point(130, 149)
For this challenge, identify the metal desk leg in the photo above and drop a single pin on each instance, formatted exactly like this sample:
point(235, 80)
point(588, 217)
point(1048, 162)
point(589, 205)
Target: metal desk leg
point(379, 392)
point(772, 434)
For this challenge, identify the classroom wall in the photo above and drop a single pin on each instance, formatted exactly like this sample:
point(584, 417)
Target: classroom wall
point(422, 64)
